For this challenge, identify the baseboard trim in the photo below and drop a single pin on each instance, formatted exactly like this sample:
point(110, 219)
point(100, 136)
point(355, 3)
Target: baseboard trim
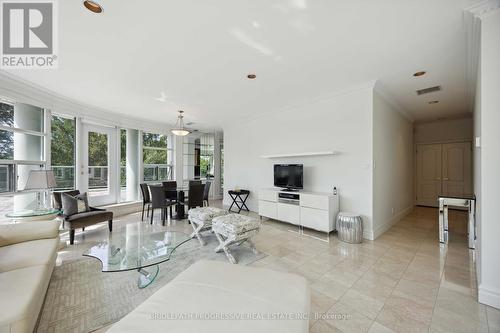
point(124, 208)
point(368, 234)
point(395, 219)
point(489, 296)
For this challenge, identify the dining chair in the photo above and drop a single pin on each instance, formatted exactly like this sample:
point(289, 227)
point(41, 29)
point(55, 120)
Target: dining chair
point(195, 196)
point(159, 200)
point(206, 192)
point(146, 199)
point(192, 182)
point(170, 187)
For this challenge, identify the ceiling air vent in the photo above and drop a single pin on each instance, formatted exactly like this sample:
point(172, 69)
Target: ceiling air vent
point(428, 90)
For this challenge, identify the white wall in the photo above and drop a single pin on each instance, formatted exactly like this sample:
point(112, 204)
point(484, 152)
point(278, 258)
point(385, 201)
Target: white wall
point(342, 123)
point(452, 130)
point(476, 156)
point(393, 159)
point(489, 283)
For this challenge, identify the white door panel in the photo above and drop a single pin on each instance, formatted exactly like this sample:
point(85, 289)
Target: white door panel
point(457, 168)
point(428, 174)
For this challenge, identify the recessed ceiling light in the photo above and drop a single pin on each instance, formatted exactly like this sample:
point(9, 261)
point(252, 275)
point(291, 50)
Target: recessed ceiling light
point(251, 76)
point(433, 102)
point(93, 6)
point(421, 73)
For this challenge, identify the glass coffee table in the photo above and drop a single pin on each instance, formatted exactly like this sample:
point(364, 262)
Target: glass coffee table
point(138, 247)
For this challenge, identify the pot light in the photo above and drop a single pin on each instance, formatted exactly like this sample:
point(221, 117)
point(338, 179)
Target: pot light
point(93, 6)
point(433, 102)
point(251, 76)
point(179, 129)
point(421, 73)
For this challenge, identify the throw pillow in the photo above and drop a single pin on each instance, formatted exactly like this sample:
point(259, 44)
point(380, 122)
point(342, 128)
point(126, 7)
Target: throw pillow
point(74, 204)
point(83, 202)
point(69, 204)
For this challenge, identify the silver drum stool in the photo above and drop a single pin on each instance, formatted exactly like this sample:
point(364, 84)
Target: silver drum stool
point(350, 227)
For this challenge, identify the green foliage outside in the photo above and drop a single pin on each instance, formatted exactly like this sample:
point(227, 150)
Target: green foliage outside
point(154, 156)
point(6, 138)
point(63, 141)
point(205, 165)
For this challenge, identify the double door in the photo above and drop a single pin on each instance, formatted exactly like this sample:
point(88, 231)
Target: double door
point(443, 169)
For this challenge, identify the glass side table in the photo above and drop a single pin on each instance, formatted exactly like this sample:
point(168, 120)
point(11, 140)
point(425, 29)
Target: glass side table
point(33, 214)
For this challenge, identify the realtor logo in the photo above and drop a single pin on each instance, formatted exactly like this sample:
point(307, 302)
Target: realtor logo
point(28, 34)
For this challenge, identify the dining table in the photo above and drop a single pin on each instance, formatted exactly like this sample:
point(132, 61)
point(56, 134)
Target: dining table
point(180, 212)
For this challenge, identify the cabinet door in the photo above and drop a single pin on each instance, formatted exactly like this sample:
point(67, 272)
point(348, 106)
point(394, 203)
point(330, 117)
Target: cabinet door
point(289, 213)
point(428, 174)
point(315, 219)
point(268, 195)
point(268, 209)
point(314, 201)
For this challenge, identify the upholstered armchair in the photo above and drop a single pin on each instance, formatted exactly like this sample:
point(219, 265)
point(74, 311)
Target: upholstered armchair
point(83, 219)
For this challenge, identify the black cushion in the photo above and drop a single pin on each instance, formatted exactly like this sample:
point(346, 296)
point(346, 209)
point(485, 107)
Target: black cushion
point(93, 216)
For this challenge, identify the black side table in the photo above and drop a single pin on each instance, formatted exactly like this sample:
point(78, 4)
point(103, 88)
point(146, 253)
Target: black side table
point(239, 199)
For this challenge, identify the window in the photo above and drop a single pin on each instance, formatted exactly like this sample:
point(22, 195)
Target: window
point(21, 150)
point(63, 152)
point(222, 163)
point(157, 157)
point(199, 156)
point(21, 144)
point(123, 165)
point(98, 163)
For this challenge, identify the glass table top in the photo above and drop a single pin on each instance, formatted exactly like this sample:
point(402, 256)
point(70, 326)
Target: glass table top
point(32, 212)
point(137, 246)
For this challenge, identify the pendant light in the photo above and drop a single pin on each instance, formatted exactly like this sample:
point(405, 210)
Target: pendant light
point(179, 129)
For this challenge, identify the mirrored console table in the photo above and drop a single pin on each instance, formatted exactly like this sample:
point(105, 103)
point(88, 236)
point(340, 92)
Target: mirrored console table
point(468, 201)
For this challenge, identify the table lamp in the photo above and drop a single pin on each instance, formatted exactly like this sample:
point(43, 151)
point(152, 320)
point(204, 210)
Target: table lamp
point(40, 180)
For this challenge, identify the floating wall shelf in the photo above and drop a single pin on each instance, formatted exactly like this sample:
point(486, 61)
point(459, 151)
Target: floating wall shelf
point(317, 153)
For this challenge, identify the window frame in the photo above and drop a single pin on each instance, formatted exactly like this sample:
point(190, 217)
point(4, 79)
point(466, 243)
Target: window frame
point(170, 157)
point(75, 144)
point(42, 163)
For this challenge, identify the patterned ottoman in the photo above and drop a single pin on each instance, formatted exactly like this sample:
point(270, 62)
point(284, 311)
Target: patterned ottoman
point(234, 228)
point(201, 219)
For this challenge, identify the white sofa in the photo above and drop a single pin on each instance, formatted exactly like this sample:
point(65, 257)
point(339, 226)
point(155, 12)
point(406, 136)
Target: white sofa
point(28, 252)
point(212, 290)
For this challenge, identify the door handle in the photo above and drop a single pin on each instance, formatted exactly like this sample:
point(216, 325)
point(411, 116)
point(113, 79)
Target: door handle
point(438, 178)
point(446, 179)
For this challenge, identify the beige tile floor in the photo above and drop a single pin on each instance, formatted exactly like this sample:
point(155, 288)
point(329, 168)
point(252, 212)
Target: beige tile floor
point(404, 281)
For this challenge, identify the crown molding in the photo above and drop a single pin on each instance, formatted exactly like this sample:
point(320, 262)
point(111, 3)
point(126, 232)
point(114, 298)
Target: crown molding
point(386, 96)
point(17, 89)
point(484, 8)
point(472, 22)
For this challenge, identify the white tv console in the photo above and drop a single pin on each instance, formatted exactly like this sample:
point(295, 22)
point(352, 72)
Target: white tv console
point(313, 210)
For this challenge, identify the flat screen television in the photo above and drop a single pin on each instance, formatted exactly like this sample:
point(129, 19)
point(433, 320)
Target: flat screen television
point(289, 176)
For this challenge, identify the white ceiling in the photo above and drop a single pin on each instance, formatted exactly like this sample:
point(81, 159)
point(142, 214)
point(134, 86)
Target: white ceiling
point(194, 55)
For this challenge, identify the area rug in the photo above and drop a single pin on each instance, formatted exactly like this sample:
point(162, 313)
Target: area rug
point(81, 298)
